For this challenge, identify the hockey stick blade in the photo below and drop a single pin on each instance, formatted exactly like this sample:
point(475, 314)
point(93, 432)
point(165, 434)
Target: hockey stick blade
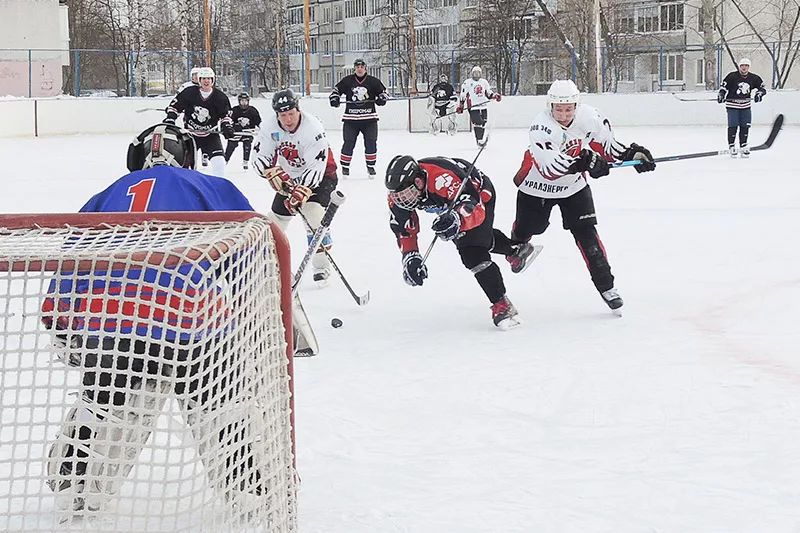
point(360, 300)
point(687, 98)
point(773, 134)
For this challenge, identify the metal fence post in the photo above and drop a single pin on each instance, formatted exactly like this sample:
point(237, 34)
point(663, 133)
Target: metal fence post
point(247, 72)
point(188, 65)
point(513, 88)
point(303, 70)
point(77, 71)
point(574, 67)
point(661, 68)
point(392, 54)
point(719, 64)
point(453, 67)
point(603, 69)
point(774, 68)
point(30, 74)
point(131, 77)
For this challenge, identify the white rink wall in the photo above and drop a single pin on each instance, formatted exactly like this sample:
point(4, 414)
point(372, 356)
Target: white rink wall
point(66, 115)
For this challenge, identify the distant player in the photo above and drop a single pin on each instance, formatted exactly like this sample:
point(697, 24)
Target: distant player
point(193, 80)
point(441, 105)
point(735, 92)
point(204, 108)
point(361, 93)
point(431, 184)
point(120, 328)
point(293, 154)
point(567, 141)
point(475, 94)
point(246, 119)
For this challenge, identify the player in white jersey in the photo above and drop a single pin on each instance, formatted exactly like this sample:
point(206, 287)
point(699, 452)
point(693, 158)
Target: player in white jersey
point(567, 141)
point(293, 153)
point(194, 79)
point(475, 94)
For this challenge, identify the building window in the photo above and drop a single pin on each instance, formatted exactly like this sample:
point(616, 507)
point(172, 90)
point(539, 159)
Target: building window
point(700, 76)
point(326, 47)
point(672, 17)
point(626, 23)
point(427, 36)
point(627, 68)
point(701, 19)
point(295, 15)
point(543, 70)
point(647, 19)
point(313, 45)
point(673, 67)
point(355, 8)
point(339, 45)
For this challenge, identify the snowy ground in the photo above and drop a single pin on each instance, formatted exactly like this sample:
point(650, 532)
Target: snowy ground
point(420, 417)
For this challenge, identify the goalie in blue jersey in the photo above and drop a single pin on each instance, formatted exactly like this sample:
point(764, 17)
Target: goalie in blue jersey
point(137, 351)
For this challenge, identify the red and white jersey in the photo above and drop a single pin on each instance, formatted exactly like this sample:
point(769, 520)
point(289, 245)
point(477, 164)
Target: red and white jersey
point(303, 154)
point(545, 170)
point(474, 92)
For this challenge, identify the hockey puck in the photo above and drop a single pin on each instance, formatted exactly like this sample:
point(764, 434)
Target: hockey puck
point(336, 323)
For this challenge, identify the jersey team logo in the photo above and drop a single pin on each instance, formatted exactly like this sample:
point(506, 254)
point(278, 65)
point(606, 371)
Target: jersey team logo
point(360, 93)
point(291, 154)
point(201, 115)
point(572, 147)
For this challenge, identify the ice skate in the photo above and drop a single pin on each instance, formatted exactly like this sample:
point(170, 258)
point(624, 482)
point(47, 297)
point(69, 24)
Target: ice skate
point(504, 314)
point(371, 172)
point(745, 151)
point(613, 300)
point(245, 165)
point(735, 151)
point(345, 172)
point(322, 276)
point(523, 256)
point(205, 160)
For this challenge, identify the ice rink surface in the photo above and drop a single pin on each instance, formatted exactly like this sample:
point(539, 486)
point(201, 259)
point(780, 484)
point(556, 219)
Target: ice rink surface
point(420, 416)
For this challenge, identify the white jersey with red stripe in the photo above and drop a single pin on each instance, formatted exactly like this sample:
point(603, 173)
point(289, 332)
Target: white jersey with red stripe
point(475, 92)
point(545, 170)
point(302, 154)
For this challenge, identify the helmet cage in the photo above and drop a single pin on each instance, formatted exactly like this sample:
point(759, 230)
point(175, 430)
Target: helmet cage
point(407, 198)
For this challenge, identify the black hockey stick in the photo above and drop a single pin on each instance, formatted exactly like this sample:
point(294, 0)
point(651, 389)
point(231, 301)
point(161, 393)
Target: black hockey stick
point(337, 199)
point(458, 194)
point(776, 128)
point(360, 300)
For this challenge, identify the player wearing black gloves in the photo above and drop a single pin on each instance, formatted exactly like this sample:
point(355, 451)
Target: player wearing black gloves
point(204, 108)
point(361, 93)
point(568, 141)
point(245, 119)
point(735, 92)
point(431, 184)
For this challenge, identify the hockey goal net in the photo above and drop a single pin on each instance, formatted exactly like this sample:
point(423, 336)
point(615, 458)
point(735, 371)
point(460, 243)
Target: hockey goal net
point(145, 373)
point(421, 118)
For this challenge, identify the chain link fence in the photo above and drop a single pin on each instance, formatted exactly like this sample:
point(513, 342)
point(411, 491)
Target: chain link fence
point(623, 69)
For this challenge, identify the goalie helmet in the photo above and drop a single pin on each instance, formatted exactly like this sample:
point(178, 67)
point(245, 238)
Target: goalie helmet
point(162, 144)
point(405, 181)
point(285, 100)
point(476, 73)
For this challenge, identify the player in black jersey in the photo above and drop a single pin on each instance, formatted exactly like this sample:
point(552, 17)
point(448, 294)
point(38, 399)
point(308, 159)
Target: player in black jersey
point(361, 93)
point(441, 104)
point(204, 108)
point(245, 119)
point(735, 92)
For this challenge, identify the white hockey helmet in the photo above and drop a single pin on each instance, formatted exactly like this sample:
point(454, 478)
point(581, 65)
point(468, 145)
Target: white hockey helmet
point(195, 70)
point(205, 72)
point(563, 92)
point(744, 61)
point(476, 72)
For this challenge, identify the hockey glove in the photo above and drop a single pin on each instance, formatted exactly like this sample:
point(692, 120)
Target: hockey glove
point(497, 97)
point(227, 130)
point(381, 99)
point(460, 108)
point(447, 226)
point(298, 195)
point(721, 96)
point(634, 152)
point(277, 177)
point(591, 162)
point(334, 99)
point(414, 271)
point(759, 94)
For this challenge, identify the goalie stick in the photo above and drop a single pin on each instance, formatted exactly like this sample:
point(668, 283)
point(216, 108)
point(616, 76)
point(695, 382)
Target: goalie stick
point(776, 128)
point(360, 300)
point(458, 192)
point(337, 199)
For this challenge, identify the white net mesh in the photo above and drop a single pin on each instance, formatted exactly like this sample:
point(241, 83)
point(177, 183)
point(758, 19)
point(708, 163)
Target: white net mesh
point(144, 379)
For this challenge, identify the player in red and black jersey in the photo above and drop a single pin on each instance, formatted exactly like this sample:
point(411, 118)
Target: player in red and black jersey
point(361, 93)
point(431, 184)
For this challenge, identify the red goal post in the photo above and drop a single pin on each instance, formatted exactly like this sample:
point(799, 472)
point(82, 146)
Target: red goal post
point(199, 438)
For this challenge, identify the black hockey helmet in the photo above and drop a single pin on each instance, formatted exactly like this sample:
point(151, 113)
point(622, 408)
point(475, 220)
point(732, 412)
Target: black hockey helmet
point(359, 63)
point(162, 144)
point(243, 96)
point(405, 180)
point(284, 100)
